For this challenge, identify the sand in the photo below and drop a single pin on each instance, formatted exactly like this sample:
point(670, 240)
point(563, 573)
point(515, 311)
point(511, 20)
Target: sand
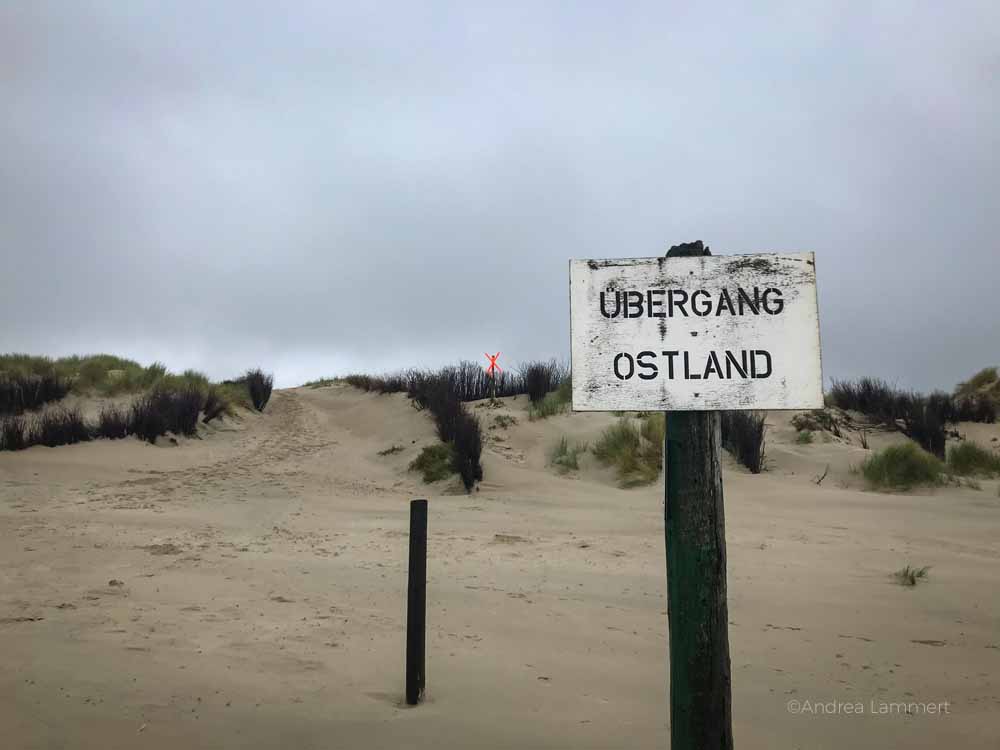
point(246, 590)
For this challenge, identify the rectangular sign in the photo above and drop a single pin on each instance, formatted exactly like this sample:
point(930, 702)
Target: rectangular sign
point(695, 334)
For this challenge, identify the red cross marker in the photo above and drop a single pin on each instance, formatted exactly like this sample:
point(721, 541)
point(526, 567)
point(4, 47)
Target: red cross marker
point(494, 367)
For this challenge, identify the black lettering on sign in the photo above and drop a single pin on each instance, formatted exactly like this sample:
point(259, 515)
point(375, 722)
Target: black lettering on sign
point(679, 304)
point(633, 304)
point(753, 304)
point(779, 303)
point(631, 366)
point(652, 304)
point(703, 309)
point(647, 365)
point(670, 362)
point(712, 365)
point(754, 369)
point(688, 375)
point(740, 367)
point(618, 305)
point(725, 301)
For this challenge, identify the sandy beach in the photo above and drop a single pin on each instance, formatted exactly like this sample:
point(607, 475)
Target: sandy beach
point(247, 589)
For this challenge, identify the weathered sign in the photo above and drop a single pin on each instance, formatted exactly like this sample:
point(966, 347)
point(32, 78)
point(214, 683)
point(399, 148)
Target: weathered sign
point(695, 334)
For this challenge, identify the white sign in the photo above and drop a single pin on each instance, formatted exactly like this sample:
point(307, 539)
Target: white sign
point(691, 334)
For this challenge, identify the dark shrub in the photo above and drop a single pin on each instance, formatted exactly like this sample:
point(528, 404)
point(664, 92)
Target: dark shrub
point(925, 423)
point(979, 407)
point(467, 450)
point(260, 386)
point(146, 419)
point(437, 394)
point(363, 382)
point(164, 411)
point(540, 378)
point(879, 400)
point(20, 393)
point(215, 405)
point(184, 407)
point(15, 433)
point(113, 422)
point(743, 437)
point(873, 397)
point(60, 427)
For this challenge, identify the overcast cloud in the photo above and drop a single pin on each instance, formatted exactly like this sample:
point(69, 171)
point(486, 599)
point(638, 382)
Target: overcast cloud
point(318, 187)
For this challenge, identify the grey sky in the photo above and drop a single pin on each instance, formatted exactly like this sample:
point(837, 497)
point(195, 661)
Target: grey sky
point(318, 187)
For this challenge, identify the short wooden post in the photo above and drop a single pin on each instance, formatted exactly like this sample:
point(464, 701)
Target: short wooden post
point(416, 607)
point(697, 613)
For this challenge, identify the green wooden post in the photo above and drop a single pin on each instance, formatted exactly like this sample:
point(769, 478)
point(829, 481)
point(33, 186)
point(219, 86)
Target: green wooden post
point(697, 613)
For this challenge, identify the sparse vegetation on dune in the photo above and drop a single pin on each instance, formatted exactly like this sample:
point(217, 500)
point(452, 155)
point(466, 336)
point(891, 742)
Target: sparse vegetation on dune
point(60, 427)
point(540, 378)
point(164, 411)
point(444, 393)
point(902, 467)
point(468, 449)
point(566, 457)
point(113, 422)
point(743, 436)
point(467, 380)
point(435, 462)
point(873, 397)
point(986, 379)
point(166, 402)
point(554, 402)
point(21, 392)
point(216, 405)
point(922, 418)
point(909, 576)
point(456, 427)
point(319, 383)
point(260, 386)
point(969, 459)
point(634, 448)
point(15, 433)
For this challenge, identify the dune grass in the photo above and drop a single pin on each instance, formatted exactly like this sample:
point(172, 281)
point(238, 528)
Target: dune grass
point(634, 448)
point(969, 459)
point(804, 438)
point(909, 576)
point(565, 457)
point(554, 402)
point(166, 402)
point(987, 377)
point(435, 462)
point(901, 467)
point(319, 383)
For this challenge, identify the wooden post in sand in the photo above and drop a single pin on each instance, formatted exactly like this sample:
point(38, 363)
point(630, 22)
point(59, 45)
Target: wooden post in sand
point(691, 334)
point(697, 613)
point(416, 607)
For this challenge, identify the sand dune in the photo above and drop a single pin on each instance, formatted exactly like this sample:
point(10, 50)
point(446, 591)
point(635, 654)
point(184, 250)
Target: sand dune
point(247, 589)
